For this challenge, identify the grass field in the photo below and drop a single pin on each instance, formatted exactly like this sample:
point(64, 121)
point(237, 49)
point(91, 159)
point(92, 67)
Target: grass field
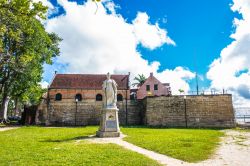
point(58, 146)
point(190, 145)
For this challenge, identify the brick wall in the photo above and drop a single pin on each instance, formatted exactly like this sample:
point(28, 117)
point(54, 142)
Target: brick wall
point(86, 112)
point(201, 111)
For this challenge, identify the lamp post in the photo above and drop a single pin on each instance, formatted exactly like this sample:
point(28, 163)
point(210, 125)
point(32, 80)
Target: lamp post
point(185, 105)
point(76, 110)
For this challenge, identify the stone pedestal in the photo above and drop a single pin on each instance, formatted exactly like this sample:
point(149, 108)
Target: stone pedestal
point(109, 124)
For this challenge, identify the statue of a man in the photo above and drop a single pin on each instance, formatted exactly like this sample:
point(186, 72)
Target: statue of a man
point(109, 87)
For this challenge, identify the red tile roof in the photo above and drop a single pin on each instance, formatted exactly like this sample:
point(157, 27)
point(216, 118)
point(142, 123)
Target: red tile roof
point(86, 81)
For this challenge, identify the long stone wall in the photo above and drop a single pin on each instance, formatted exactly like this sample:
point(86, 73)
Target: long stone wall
point(194, 111)
point(87, 112)
point(169, 111)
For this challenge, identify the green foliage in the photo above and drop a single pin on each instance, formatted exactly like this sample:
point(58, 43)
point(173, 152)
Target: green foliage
point(140, 79)
point(63, 146)
point(24, 47)
point(181, 90)
point(190, 145)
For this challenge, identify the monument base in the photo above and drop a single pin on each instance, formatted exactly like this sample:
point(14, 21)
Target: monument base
point(103, 134)
point(109, 124)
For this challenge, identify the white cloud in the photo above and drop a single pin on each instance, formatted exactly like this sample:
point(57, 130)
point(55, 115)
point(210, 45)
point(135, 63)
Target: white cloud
point(232, 69)
point(111, 6)
point(44, 84)
point(98, 42)
point(177, 78)
point(150, 36)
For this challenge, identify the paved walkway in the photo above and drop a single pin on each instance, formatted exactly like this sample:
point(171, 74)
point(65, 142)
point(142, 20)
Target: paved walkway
point(7, 128)
point(233, 151)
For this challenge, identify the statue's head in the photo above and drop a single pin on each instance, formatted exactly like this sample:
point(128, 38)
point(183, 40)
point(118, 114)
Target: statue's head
point(108, 75)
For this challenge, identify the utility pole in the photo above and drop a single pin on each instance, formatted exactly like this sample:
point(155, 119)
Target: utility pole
point(197, 85)
point(185, 104)
point(76, 111)
point(127, 98)
point(196, 75)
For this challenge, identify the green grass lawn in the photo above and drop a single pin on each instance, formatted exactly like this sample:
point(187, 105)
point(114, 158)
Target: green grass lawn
point(190, 145)
point(2, 125)
point(58, 146)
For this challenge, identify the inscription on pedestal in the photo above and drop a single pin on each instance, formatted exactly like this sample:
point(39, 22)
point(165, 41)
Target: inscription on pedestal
point(111, 124)
point(110, 116)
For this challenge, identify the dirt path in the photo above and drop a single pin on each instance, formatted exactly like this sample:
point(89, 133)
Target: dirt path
point(234, 150)
point(7, 128)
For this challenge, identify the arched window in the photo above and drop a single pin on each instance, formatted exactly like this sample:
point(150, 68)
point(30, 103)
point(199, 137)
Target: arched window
point(78, 97)
point(58, 97)
point(133, 96)
point(119, 97)
point(98, 97)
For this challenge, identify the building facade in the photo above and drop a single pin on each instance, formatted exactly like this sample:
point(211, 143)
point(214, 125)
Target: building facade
point(153, 87)
point(80, 87)
point(76, 99)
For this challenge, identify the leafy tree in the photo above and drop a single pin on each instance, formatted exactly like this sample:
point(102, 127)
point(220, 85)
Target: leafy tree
point(181, 91)
point(140, 79)
point(24, 47)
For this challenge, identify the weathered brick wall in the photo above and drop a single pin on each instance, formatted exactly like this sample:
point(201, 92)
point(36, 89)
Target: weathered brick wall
point(201, 111)
point(134, 116)
point(86, 112)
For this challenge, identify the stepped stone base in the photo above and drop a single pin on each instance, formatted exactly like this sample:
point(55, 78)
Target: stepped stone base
point(103, 134)
point(109, 124)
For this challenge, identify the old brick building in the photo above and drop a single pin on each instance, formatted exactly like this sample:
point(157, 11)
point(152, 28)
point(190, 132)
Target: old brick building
point(153, 87)
point(72, 87)
point(76, 99)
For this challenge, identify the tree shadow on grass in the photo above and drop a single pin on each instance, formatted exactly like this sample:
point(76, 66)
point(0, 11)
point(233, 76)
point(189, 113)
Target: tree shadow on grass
point(68, 139)
point(171, 127)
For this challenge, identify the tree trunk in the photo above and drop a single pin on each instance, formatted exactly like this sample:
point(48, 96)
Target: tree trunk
point(4, 108)
point(16, 107)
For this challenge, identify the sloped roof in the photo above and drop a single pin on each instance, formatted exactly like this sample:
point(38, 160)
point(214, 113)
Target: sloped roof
point(166, 84)
point(86, 81)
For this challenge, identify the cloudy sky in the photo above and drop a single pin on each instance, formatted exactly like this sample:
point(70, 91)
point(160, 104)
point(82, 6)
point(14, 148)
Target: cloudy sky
point(172, 39)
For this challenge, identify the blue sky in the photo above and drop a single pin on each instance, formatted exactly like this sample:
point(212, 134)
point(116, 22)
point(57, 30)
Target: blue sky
point(200, 29)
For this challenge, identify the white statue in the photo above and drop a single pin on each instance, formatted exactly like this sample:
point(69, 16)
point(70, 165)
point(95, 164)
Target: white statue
point(109, 88)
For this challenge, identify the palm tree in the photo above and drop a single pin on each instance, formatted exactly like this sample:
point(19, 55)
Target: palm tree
point(140, 79)
point(181, 91)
